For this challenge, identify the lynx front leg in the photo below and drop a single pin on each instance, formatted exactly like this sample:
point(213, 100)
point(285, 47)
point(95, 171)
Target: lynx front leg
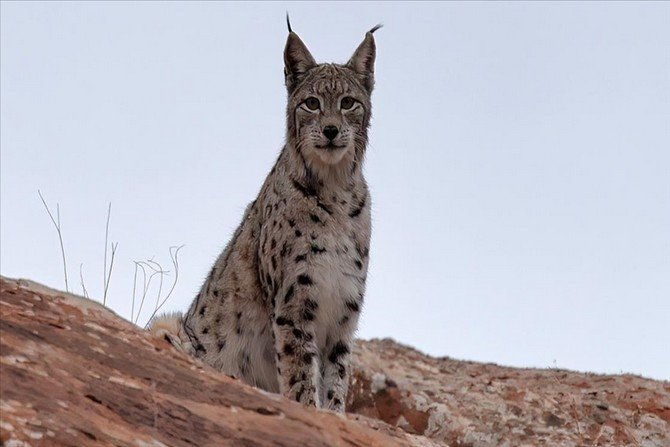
point(297, 359)
point(336, 374)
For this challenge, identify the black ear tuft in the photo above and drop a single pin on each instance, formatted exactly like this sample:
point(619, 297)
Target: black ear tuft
point(288, 23)
point(374, 28)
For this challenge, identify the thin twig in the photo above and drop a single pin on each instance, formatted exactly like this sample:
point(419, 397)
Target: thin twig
point(81, 278)
point(147, 285)
point(144, 286)
point(162, 273)
point(104, 267)
point(109, 275)
point(175, 263)
point(60, 235)
point(132, 309)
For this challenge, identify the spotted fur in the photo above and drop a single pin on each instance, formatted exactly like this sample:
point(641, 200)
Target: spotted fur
point(280, 306)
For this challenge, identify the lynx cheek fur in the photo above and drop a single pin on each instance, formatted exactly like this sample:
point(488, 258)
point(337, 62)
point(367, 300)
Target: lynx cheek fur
point(280, 306)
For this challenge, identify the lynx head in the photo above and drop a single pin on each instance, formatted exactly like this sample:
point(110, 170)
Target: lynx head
point(329, 107)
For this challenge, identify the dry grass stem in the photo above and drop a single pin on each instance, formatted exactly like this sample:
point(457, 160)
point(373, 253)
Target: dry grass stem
point(108, 276)
point(104, 267)
point(81, 279)
point(174, 252)
point(56, 223)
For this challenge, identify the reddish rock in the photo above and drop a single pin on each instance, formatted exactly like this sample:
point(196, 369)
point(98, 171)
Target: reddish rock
point(472, 404)
point(74, 373)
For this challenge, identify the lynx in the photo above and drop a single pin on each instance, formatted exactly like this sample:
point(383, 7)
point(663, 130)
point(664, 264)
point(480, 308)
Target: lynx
point(280, 306)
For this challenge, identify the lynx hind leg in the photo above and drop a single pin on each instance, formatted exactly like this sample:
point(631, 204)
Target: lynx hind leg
point(170, 327)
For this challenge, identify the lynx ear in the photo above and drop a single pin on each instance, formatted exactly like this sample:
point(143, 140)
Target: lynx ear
point(297, 60)
point(363, 60)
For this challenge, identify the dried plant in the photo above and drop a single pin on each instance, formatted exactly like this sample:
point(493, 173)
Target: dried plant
point(149, 269)
point(56, 223)
point(81, 279)
point(107, 275)
point(174, 252)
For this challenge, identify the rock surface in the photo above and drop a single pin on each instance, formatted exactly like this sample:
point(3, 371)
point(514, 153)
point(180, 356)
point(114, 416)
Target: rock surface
point(74, 373)
point(472, 404)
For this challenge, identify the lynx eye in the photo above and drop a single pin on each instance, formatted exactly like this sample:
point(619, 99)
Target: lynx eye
point(347, 103)
point(312, 103)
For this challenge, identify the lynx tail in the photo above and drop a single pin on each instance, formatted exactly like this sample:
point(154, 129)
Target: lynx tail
point(169, 326)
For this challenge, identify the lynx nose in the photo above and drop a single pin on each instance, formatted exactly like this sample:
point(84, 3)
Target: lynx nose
point(330, 132)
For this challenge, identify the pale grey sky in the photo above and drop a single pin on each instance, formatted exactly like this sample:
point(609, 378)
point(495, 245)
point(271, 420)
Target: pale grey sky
point(519, 161)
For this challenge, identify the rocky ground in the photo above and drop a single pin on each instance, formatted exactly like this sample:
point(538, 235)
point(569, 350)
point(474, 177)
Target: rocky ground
point(74, 373)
